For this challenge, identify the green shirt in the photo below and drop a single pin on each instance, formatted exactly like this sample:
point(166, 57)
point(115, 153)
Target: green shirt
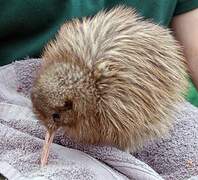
point(27, 25)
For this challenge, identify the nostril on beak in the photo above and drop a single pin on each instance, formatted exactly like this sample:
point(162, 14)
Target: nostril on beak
point(56, 117)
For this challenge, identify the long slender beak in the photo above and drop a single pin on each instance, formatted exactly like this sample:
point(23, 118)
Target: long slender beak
point(46, 147)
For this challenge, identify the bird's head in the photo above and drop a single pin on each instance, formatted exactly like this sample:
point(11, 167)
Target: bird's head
point(63, 95)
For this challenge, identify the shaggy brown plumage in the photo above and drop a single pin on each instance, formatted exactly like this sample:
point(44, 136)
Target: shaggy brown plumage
point(111, 79)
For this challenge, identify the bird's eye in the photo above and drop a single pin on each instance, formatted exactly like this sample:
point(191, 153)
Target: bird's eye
point(68, 105)
point(56, 116)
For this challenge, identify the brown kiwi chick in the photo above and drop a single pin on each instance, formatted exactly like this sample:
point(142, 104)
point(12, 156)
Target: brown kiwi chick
point(112, 79)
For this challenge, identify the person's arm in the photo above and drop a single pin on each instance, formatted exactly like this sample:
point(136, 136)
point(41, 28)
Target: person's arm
point(185, 27)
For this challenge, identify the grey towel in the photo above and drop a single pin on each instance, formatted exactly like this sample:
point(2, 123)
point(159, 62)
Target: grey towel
point(21, 138)
point(174, 157)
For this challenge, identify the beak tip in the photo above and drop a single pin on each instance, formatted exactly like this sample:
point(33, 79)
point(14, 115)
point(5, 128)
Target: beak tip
point(45, 152)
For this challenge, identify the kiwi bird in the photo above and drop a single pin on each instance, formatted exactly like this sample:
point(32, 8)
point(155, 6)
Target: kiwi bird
point(111, 79)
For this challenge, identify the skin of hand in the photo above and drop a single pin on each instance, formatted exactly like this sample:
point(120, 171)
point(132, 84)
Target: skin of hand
point(185, 28)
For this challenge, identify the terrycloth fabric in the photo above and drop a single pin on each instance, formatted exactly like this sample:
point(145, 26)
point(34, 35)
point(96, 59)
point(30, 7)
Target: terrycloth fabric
point(176, 157)
point(21, 138)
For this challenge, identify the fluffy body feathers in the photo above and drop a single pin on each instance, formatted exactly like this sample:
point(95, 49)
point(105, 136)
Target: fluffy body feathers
point(122, 74)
